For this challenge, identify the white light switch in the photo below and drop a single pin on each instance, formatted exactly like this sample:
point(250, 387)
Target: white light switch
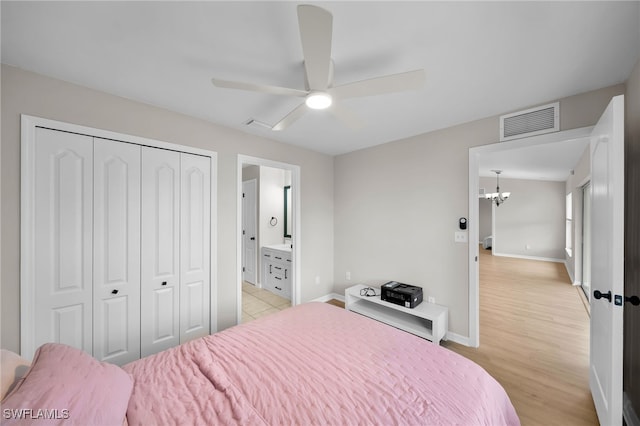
point(460, 237)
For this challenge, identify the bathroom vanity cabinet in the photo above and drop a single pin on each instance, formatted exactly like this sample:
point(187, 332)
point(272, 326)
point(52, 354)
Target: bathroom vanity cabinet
point(276, 270)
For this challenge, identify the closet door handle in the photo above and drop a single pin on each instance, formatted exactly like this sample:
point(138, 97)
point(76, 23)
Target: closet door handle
point(114, 291)
point(164, 283)
point(285, 274)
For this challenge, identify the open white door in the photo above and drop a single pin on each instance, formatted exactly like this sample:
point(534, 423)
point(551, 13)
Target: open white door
point(607, 263)
point(249, 243)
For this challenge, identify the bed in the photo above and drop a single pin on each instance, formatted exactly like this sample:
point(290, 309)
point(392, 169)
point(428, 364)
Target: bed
point(313, 364)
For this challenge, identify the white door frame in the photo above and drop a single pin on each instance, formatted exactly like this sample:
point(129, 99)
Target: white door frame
point(295, 237)
point(474, 160)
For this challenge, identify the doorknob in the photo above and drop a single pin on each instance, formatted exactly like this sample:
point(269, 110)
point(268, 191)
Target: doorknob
point(599, 295)
point(114, 291)
point(634, 300)
point(253, 238)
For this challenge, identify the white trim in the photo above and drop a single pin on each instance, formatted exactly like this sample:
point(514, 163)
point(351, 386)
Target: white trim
point(27, 242)
point(474, 159)
point(295, 238)
point(27, 203)
point(522, 256)
point(328, 297)
point(572, 277)
point(457, 338)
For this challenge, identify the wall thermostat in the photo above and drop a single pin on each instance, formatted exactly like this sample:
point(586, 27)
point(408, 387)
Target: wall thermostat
point(463, 223)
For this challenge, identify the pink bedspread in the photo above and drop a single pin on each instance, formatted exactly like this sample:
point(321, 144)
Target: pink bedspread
point(314, 364)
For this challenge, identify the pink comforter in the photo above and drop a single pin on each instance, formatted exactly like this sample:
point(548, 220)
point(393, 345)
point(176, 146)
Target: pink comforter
point(314, 364)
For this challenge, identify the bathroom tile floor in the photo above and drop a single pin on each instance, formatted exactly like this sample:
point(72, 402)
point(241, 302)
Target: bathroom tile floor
point(257, 302)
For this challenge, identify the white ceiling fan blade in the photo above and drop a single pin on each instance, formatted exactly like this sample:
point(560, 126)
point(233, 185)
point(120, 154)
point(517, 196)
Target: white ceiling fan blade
point(380, 85)
point(316, 25)
point(347, 116)
point(263, 88)
point(290, 118)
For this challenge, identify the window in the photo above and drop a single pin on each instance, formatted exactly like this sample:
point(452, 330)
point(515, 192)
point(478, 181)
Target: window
point(569, 225)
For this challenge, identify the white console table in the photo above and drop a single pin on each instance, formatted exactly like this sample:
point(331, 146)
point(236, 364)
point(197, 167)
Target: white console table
point(427, 320)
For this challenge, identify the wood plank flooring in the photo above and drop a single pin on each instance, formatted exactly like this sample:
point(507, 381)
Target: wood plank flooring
point(534, 339)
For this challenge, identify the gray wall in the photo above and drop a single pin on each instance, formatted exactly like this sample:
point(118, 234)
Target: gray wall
point(485, 216)
point(532, 221)
point(382, 213)
point(397, 206)
point(28, 93)
point(574, 184)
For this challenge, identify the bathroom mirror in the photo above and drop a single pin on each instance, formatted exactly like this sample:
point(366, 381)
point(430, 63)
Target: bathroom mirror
point(287, 211)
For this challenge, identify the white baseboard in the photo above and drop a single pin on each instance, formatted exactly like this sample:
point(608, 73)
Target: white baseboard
point(520, 256)
point(329, 296)
point(570, 272)
point(457, 338)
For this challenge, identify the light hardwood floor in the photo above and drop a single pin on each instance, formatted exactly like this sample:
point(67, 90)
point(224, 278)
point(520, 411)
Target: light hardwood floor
point(534, 339)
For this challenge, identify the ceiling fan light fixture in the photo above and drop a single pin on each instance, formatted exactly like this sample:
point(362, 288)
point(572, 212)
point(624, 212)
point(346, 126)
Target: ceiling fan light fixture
point(318, 100)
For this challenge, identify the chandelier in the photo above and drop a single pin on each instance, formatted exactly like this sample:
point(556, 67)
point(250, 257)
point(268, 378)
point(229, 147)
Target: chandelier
point(498, 197)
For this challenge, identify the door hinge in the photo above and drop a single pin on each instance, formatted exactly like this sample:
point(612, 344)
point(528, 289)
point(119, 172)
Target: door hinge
point(243, 195)
point(243, 232)
point(243, 269)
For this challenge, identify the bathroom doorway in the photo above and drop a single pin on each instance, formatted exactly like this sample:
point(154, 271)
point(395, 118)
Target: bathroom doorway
point(276, 215)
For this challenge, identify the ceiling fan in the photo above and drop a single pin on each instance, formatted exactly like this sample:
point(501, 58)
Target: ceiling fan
point(315, 26)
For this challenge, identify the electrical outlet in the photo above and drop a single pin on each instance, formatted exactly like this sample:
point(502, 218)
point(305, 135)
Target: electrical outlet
point(460, 237)
point(348, 276)
point(431, 299)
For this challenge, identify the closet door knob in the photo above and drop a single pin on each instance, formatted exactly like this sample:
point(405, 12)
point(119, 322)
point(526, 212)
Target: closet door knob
point(114, 291)
point(164, 283)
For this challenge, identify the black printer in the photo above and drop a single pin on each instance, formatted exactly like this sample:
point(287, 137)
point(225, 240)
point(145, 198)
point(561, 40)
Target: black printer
point(406, 295)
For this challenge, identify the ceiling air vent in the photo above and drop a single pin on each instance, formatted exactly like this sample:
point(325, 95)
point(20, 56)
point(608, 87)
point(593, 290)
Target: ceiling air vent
point(534, 121)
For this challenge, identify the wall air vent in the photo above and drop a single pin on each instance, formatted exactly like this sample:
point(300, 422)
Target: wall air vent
point(534, 121)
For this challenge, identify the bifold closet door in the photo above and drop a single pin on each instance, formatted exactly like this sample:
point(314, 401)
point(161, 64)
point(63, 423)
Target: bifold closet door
point(195, 219)
point(62, 239)
point(116, 253)
point(160, 260)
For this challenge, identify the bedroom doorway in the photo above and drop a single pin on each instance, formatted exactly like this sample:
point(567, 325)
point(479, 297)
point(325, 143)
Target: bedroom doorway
point(276, 213)
point(475, 156)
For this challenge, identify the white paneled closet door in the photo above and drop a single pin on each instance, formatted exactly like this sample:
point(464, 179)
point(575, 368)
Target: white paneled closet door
point(160, 261)
point(195, 246)
point(116, 253)
point(63, 229)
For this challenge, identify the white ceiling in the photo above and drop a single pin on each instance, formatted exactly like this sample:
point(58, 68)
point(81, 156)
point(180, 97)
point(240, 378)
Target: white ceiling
point(481, 58)
point(551, 161)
